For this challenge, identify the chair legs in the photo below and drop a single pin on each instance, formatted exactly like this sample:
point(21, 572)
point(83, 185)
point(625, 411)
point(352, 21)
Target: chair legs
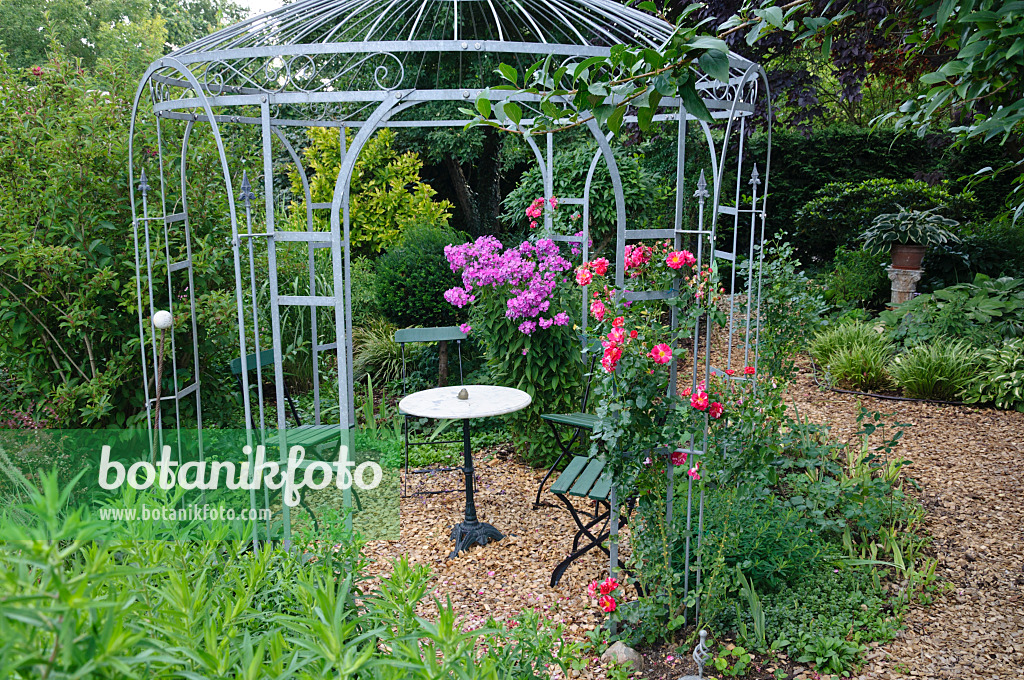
point(595, 541)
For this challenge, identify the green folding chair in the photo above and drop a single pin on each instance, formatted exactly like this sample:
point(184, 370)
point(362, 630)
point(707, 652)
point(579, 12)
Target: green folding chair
point(579, 422)
point(429, 335)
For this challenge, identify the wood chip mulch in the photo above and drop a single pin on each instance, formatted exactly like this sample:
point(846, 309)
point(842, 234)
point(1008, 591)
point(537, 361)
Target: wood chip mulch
point(969, 464)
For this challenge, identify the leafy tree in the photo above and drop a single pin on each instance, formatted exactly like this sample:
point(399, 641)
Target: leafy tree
point(386, 194)
point(96, 29)
point(68, 305)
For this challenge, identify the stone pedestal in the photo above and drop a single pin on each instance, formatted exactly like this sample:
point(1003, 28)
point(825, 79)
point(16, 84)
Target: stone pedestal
point(904, 283)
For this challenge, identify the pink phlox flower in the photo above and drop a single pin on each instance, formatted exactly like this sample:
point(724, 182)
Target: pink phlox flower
point(465, 327)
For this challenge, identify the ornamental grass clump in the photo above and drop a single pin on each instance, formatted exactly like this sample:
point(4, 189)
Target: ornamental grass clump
point(828, 342)
point(862, 366)
point(941, 369)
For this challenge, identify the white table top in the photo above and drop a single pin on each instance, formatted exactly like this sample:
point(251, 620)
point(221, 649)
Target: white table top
point(484, 400)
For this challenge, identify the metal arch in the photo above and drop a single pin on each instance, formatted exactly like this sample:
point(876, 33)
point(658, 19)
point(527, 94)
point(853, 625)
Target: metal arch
point(184, 71)
point(391, 105)
point(191, 285)
point(315, 338)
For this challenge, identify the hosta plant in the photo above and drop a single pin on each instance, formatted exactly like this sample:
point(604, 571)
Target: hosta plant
point(921, 227)
point(1000, 379)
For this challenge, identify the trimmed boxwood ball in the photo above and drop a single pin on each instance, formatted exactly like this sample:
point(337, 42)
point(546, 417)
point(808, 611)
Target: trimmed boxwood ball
point(413, 276)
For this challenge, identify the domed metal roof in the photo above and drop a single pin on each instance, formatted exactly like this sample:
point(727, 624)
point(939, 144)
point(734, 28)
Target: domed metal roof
point(331, 46)
point(600, 23)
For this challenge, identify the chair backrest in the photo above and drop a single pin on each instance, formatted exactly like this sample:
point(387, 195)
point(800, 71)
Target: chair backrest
point(266, 358)
point(438, 334)
point(429, 334)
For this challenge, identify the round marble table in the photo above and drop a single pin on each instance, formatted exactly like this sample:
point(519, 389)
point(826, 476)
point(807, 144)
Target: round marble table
point(481, 401)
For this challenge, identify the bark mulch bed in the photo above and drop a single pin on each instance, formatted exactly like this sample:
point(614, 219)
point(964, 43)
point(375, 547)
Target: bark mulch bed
point(969, 465)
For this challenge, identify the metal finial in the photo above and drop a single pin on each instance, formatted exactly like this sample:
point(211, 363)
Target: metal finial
point(754, 177)
point(701, 654)
point(246, 189)
point(463, 394)
point(702, 188)
point(143, 184)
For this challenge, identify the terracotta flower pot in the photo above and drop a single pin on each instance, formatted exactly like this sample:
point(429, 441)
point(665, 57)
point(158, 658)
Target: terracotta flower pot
point(907, 255)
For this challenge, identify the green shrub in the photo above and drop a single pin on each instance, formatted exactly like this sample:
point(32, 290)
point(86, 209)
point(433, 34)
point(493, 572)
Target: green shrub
point(940, 369)
point(766, 540)
point(857, 279)
point(803, 162)
point(640, 188)
point(792, 309)
point(413, 276)
point(862, 366)
point(994, 248)
point(68, 305)
point(365, 305)
point(830, 341)
point(1000, 378)
point(841, 211)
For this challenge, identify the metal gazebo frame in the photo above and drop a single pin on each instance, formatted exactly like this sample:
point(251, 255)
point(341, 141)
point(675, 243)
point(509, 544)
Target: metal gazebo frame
point(366, 65)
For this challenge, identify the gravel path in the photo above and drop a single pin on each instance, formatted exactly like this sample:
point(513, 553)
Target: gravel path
point(969, 464)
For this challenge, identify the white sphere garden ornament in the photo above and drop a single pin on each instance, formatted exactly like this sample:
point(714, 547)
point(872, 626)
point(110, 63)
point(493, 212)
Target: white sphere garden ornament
point(163, 320)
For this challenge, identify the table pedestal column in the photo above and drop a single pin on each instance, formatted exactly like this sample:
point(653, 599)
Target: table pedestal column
point(471, 531)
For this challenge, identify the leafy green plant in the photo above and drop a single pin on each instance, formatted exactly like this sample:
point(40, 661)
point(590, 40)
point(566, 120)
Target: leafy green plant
point(856, 279)
point(941, 369)
point(829, 654)
point(982, 312)
point(413, 276)
point(78, 601)
point(999, 379)
point(862, 366)
point(376, 353)
point(830, 341)
point(732, 663)
point(920, 227)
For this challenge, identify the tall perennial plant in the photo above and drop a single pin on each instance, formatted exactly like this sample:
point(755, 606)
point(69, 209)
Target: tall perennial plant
point(520, 300)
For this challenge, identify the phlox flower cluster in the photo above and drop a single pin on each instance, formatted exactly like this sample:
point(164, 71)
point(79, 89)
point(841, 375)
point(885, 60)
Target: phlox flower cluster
point(604, 593)
point(529, 273)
